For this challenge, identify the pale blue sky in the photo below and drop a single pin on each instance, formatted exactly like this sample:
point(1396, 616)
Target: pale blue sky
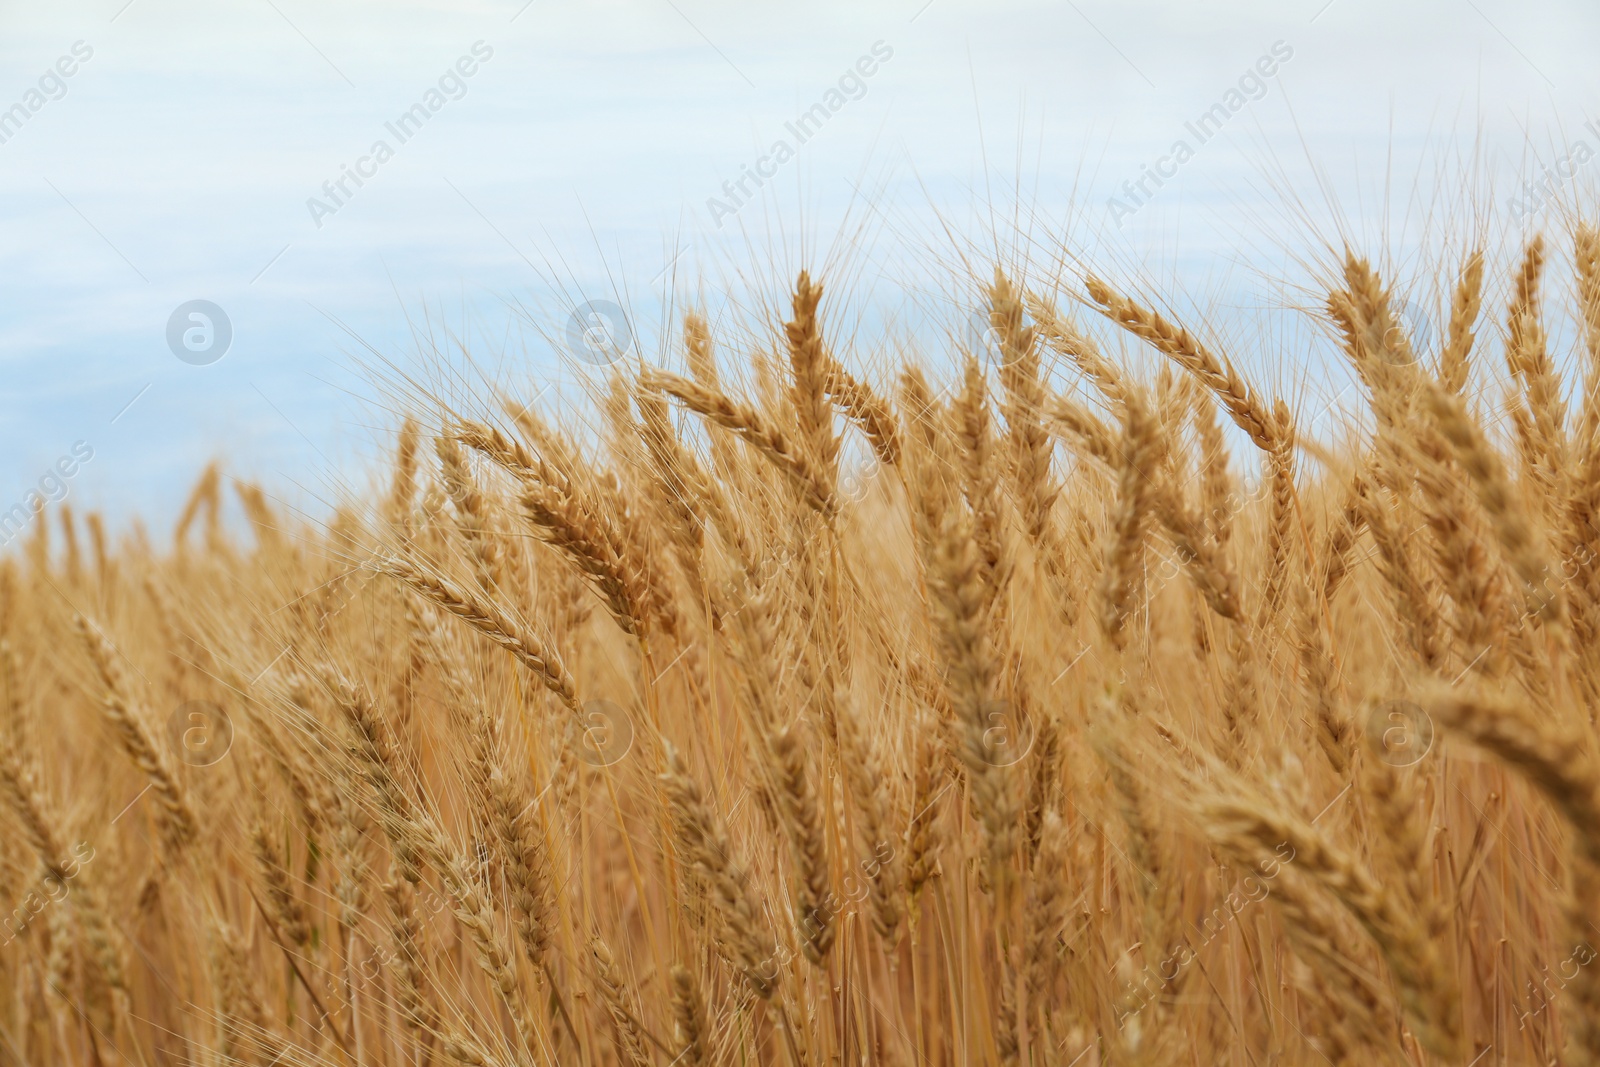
point(178, 163)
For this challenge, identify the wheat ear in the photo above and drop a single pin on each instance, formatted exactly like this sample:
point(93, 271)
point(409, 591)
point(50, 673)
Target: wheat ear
point(754, 428)
point(811, 366)
point(487, 618)
point(692, 1034)
point(1427, 989)
point(1510, 524)
point(178, 822)
point(704, 843)
point(1063, 336)
point(1136, 491)
point(622, 1008)
point(1465, 303)
point(1249, 413)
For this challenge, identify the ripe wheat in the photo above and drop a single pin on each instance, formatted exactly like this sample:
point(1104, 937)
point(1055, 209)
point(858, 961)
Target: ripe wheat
point(1056, 740)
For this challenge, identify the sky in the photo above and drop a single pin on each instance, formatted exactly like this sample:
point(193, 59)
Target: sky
point(588, 159)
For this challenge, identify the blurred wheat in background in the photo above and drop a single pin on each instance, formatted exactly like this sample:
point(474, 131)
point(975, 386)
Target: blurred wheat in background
point(1126, 725)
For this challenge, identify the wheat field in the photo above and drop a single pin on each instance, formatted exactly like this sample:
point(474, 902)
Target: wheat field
point(793, 713)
